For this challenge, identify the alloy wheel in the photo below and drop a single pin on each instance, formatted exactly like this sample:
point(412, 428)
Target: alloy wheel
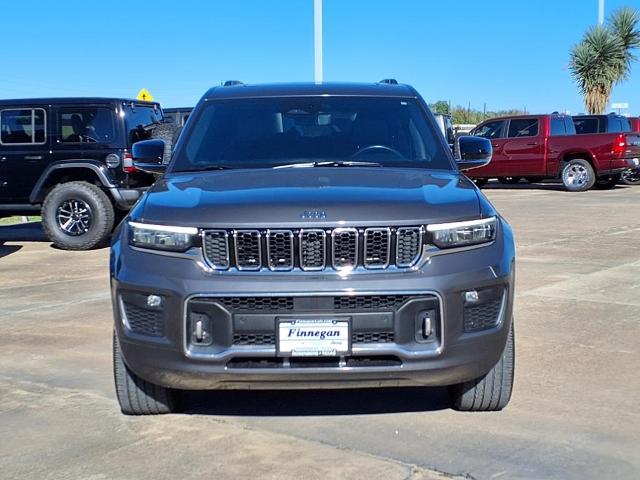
point(74, 217)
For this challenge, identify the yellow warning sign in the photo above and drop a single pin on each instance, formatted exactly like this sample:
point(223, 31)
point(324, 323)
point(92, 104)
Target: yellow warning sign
point(145, 95)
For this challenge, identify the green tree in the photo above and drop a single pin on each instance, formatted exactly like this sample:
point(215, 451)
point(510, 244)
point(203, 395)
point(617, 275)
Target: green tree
point(440, 107)
point(603, 58)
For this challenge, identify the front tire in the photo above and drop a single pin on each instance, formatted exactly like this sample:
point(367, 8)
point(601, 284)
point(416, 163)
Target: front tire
point(492, 391)
point(77, 216)
point(578, 175)
point(135, 395)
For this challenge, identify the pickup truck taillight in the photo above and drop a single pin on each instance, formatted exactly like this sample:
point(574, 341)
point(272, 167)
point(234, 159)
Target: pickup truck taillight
point(619, 145)
point(127, 163)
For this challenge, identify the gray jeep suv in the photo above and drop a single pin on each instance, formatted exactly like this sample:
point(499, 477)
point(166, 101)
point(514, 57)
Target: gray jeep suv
point(312, 236)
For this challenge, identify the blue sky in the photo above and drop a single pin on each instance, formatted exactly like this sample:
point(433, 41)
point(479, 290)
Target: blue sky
point(505, 53)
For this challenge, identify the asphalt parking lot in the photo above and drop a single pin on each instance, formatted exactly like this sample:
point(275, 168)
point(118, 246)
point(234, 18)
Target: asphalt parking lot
point(574, 414)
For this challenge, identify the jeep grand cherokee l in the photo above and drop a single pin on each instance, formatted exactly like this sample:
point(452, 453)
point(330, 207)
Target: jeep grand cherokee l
point(312, 236)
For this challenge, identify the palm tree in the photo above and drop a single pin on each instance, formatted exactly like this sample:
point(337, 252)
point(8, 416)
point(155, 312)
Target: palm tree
point(604, 56)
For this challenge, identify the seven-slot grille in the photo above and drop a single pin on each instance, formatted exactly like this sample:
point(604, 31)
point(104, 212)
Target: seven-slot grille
point(313, 249)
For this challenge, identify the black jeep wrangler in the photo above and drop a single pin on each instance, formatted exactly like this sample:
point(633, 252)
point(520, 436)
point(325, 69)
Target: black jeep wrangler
point(69, 158)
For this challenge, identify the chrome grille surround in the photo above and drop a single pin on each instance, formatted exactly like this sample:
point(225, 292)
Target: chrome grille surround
point(377, 248)
point(215, 244)
point(248, 249)
point(408, 246)
point(280, 250)
point(313, 249)
point(344, 248)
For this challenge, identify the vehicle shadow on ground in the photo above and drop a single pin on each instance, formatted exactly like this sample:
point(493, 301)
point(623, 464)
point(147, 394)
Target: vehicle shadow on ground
point(293, 403)
point(557, 187)
point(23, 232)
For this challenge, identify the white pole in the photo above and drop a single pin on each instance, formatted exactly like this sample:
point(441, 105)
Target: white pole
point(600, 12)
point(317, 39)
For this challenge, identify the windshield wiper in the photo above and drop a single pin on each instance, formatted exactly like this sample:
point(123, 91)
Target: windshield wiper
point(330, 163)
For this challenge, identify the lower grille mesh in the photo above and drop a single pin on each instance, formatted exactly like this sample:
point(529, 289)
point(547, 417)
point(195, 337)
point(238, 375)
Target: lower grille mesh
point(481, 317)
point(144, 322)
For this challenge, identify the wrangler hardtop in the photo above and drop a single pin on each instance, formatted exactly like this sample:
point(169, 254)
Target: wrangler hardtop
point(69, 159)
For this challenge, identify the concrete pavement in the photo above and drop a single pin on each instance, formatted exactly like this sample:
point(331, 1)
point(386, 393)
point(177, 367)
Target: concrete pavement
point(574, 413)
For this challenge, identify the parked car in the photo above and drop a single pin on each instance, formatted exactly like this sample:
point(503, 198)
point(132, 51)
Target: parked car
point(178, 116)
point(446, 127)
point(631, 176)
point(312, 236)
point(536, 147)
point(69, 159)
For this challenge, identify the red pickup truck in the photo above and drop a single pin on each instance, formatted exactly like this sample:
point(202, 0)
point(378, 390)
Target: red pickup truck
point(546, 146)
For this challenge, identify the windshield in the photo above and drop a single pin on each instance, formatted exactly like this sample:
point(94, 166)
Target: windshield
point(140, 120)
point(270, 132)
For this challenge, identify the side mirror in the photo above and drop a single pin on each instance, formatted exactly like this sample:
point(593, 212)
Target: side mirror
point(474, 152)
point(147, 156)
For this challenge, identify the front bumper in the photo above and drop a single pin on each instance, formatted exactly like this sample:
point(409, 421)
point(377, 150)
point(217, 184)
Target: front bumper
point(452, 355)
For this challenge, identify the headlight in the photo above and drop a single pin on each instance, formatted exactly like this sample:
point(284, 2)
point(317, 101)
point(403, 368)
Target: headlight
point(461, 234)
point(162, 237)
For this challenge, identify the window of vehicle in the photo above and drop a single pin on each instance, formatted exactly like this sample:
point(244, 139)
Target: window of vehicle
point(587, 125)
point(268, 132)
point(22, 126)
point(558, 126)
point(569, 126)
point(490, 129)
point(86, 125)
point(139, 121)
point(625, 124)
point(523, 127)
point(618, 124)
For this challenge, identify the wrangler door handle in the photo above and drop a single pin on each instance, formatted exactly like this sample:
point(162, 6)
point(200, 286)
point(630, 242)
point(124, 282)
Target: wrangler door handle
point(33, 157)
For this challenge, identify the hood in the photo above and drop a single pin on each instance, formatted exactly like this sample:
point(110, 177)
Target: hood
point(296, 197)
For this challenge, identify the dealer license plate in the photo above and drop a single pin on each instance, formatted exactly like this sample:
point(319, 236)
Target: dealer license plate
point(313, 338)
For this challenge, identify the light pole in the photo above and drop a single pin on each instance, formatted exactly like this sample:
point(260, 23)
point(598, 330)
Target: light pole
point(317, 40)
point(600, 12)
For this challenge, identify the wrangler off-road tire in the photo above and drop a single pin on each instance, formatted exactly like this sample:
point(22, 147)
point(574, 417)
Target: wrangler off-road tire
point(135, 395)
point(86, 199)
point(492, 391)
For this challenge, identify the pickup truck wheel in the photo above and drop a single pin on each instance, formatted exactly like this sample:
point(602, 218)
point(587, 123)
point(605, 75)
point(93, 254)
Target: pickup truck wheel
point(135, 395)
point(607, 182)
point(578, 175)
point(631, 177)
point(77, 216)
point(509, 180)
point(492, 391)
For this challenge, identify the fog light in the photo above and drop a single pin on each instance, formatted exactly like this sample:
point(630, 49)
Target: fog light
point(471, 296)
point(426, 326)
point(154, 301)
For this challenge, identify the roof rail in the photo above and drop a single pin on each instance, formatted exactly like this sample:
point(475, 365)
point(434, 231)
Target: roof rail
point(389, 81)
point(232, 83)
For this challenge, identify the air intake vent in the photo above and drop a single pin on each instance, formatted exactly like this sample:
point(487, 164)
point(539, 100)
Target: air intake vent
point(344, 248)
point(248, 249)
point(280, 249)
point(216, 248)
point(408, 246)
point(313, 249)
point(377, 246)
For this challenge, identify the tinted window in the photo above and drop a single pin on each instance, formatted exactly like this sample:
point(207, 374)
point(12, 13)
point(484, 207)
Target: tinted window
point(618, 124)
point(558, 126)
point(586, 125)
point(86, 125)
point(274, 131)
point(140, 120)
point(20, 126)
point(569, 126)
point(523, 127)
point(490, 129)
point(625, 124)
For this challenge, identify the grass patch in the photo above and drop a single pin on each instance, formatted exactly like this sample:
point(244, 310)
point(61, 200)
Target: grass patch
point(16, 220)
